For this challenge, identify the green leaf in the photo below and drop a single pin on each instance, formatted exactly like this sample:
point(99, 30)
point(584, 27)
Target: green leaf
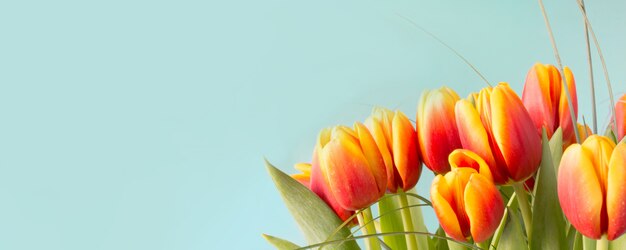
point(316, 220)
point(438, 243)
point(279, 243)
point(546, 207)
point(512, 234)
point(418, 222)
point(556, 147)
point(391, 221)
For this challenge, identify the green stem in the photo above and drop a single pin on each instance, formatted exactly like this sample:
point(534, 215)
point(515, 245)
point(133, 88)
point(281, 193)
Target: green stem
point(407, 219)
point(483, 245)
point(602, 243)
point(524, 205)
point(365, 218)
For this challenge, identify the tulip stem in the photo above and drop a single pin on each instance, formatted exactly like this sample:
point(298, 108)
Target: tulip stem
point(407, 220)
point(368, 228)
point(602, 243)
point(524, 205)
point(483, 245)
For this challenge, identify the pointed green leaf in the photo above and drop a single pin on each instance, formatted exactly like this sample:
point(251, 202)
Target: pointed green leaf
point(279, 243)
point(556, 147)
point(391, 221)
point(546, 207)
point(418, 222)
point(438, 243)
point(512, 234)
point(316, 220)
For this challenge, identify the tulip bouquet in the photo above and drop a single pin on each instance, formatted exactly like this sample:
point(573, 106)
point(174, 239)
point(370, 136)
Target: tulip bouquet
point(511, 172)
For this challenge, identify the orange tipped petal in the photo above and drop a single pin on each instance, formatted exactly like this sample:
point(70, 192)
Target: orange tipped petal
point(440, 193)
point(460, 158)
point(376, 128)
point(373, 156)
point(540, 97)
point(436, 128)
point(616, 193)
point(484, 207)
point(601, 149)
point(515, 136)
point(565, 117)
point(579, 191)
point(474, 137)
point(405, 151)
point(353, 186)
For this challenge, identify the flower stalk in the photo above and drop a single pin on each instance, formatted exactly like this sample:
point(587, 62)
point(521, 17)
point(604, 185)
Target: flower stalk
point(368, 228)
point(522, 200)
point(407, 220)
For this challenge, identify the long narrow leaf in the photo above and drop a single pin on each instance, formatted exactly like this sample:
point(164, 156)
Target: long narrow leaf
point(316, 220)
point(279, 243)
point(548, 224)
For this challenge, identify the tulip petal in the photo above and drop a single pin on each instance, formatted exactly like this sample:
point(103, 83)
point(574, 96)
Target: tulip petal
point(440, 194)
point(463, 158)
point(376, 128)
point(374, 159)
point(474, 137)
point(352, 186)
point(616, 193)
point(580, 194)
point(319, 185)
point(405, 151)
point(540, 97)
point(514, 133)
point(436, 128)
point(484, 207)
point(601, 149)
point(565, 117)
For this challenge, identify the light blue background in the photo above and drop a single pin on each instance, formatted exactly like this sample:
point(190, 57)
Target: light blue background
point(143, 124)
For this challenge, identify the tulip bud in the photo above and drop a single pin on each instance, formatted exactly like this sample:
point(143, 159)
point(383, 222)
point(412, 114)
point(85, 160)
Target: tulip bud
point(591, 185)
point(352, 165)
point(397, 141)
point(499, 129)
point(465, 200)
point(436, 128)
point(546, 99)
point(620, 119)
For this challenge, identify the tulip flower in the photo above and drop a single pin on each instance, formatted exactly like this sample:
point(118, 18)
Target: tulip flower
point(351, 165)
point(499, 129)
point(436, 128)
point(466, 201)
point(546, 99)
point(620, 119)
point(397, 141)
point(591, 187)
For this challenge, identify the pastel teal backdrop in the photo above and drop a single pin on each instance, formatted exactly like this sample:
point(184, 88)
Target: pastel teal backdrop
point(144, 124)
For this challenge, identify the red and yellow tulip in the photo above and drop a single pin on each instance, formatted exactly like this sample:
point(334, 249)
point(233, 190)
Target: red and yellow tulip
point(436, 128)
point(397, 141)
point(465, 200)
point(499, 129)
point(546, 99)
point(620, 119)
point(351, 165)
point(591, 187)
